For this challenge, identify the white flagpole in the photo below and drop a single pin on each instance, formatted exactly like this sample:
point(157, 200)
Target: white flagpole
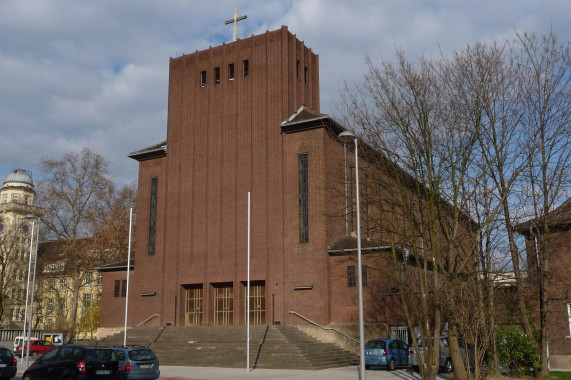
point(128, 272)
point(248, 295)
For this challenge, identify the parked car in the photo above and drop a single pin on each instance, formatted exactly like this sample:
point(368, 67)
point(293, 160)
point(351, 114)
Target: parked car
point(37, 347)
point(388, 353)
point(8, 363)
point(75, 362)
point(137, 363)
point(445, 363)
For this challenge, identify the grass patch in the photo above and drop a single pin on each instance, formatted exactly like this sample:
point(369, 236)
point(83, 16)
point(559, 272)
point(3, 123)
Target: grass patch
point(560, 375)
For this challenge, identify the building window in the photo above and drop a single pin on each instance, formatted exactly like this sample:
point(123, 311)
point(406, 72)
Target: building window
point(246, 68)
point(123, 288)
point(49, 322)
point(303, 199)
point(99, 278)
point(352, 278)
point(62, 284)
point(117, 288)
point(50, 306)
point(297, 65)
point(203, 78)
point(231, 71)
point(305, 74)
point(86, 300)
point(216, 75)
point(87, 280)
point(153, 216)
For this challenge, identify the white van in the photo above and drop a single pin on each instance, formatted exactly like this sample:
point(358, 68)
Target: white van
point(19, 341)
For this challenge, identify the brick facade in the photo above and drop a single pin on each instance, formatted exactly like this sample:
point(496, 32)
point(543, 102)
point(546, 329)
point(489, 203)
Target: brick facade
point(227, 137)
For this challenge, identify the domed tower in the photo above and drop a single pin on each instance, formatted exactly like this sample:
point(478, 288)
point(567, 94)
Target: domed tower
point(16, 211)
point(18, 188)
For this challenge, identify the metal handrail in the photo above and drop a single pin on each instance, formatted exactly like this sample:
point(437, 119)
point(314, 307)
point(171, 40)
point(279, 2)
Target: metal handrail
point(322, 327)
point(147, 320)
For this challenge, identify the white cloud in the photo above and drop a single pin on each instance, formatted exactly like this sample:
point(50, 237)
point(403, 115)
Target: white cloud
point(95, 73)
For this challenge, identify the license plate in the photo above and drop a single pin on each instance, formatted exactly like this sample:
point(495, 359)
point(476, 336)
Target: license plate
point(103, 372)
point(146, 366)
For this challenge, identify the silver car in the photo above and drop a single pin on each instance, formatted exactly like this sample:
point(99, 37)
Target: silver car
point(137, 363)
point(444, 360)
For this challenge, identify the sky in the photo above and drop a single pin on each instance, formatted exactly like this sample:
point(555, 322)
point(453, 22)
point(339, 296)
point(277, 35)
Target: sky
point(94, 74)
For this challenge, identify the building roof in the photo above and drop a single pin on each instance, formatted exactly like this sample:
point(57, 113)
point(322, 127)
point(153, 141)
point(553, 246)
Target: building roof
point(305, 118)
point(120, 266)
point(153, 151)
point(19, 175)
point(558, 219)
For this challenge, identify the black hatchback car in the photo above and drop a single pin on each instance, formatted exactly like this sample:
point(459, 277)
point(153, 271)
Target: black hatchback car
point(8, 364)
point(75, 362)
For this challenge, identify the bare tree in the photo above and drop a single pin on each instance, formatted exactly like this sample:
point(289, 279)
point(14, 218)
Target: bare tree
point(86, 213)
point(546, 93)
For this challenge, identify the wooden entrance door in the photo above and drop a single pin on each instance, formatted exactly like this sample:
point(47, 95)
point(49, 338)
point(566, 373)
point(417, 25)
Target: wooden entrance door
point(257, 302)
point(194, 305)
point(223, 305)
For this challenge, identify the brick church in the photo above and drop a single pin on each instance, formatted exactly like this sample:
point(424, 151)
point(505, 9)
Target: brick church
point(243, 117)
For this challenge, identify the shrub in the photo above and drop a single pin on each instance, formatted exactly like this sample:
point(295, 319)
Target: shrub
point(516, 349)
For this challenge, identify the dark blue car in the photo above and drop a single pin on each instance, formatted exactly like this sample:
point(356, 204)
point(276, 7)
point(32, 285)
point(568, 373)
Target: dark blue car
point(388, 353)
point(8, 364)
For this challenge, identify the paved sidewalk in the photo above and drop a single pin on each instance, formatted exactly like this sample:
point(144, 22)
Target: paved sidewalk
point(344, 373)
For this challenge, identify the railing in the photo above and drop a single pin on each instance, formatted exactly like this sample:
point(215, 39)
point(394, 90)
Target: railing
point(260, 347)
point(147, 320)
point(322, 327)
point(9, 335)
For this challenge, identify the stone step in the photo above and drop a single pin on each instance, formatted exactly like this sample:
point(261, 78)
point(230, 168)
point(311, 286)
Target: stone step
point(225, 346)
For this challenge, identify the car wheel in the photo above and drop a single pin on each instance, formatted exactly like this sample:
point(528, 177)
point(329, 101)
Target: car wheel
point(448, 366)
point(392, 365)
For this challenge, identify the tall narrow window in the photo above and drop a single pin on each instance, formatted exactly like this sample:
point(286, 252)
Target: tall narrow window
point(303, 200)
point(153, 216)
point(305, 74)
point(351, 279)
point(231, 71)
point(216, 75)
point(246, 68)
point(203, 78)
point(117, 291)
point(123, 288)
point(297, 65)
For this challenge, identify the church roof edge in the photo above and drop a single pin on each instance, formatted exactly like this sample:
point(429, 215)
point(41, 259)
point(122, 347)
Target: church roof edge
point(153, 151)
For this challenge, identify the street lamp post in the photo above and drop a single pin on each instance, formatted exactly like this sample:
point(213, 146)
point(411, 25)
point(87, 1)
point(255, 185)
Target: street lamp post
point(346, 137)
point(27, 336)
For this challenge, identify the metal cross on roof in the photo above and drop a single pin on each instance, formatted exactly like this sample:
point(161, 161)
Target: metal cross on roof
point(235, 21)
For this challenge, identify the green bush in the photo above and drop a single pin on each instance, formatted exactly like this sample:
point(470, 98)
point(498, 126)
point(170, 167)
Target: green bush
point(516, 349)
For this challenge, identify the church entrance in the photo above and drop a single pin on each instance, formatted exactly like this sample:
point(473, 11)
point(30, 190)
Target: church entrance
point(257, 302)
point(194, 305)
point(223, 304)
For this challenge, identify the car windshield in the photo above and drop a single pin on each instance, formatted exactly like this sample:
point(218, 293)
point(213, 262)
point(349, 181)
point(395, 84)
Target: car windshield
point(142, 354)
point(376, 344)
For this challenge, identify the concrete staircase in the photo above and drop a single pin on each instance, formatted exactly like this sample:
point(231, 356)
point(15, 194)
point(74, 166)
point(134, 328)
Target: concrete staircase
point(225, 346)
